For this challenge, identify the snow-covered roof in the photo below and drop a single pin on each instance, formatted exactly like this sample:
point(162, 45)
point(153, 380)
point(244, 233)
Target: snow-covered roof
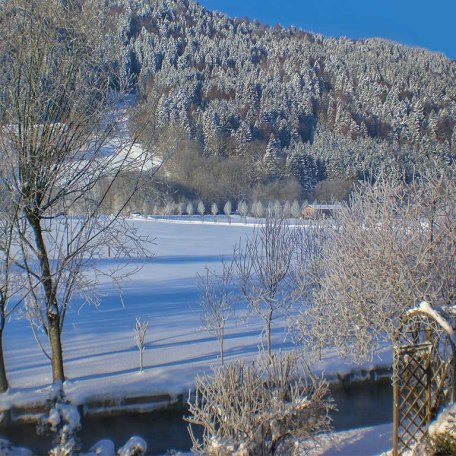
point(322, 207)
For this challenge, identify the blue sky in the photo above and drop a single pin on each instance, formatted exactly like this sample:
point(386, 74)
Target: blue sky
point(423, 23)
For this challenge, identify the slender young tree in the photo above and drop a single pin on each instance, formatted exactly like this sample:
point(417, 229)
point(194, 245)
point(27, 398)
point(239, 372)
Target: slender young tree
point(264, 265)
point(216, 303)
point(59, 159)
point(141, 327)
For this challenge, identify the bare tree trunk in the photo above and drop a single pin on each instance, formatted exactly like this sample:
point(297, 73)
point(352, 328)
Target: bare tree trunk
point(56, 348)
point(53, 317)
point(3, 379)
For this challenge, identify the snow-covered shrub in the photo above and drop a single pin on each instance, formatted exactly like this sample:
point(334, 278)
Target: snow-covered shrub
point(62, 421)
point(136, 446)
point(258, 408)
point(442, 433)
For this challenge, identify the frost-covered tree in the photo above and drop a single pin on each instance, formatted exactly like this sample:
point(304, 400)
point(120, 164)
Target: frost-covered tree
point(189, 209)
point(243, 210)
point(227, 210)
point(392, 247)
point(257, 209)
point(201, 209)
point(214, 211)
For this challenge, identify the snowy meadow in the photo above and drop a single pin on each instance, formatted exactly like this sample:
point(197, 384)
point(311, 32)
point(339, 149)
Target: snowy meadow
point(101, 357)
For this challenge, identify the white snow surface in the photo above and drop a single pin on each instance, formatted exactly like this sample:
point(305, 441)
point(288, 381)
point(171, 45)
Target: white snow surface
point(103, 447)
point(6, 449)
point(101, 357)
point(369, 441)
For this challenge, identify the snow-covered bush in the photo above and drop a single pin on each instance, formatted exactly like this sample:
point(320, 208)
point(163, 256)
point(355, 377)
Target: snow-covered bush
point(136, 446)
point(62, 421)
point(442, 432)
point(393, 247)
point(258, 408)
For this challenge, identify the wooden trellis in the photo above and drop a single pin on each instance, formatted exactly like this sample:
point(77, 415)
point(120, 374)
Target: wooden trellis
point(424, 374)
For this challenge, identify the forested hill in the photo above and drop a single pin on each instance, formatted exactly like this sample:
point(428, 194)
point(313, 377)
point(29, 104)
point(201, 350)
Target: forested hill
point(286, 101)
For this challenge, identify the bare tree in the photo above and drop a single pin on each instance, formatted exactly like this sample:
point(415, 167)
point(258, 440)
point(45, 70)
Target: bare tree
point(141, 327)
point(264, 264)
point(216, 302)
point(214, 211)
point(227, 210)
point(58, 152)
point(258, 408)
point(391, 248)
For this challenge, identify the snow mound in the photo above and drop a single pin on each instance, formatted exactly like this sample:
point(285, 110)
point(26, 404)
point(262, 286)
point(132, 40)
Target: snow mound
point(136, 446)
point(102, 448)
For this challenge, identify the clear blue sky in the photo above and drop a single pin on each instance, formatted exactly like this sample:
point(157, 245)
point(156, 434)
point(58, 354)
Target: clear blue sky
point(425, 23)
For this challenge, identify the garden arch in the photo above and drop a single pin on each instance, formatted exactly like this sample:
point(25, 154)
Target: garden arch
point(424, 373)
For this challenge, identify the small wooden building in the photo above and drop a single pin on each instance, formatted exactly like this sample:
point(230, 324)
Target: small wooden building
point(321, 210)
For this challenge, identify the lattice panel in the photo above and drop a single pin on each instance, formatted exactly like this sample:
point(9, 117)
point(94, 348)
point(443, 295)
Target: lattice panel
point(413, 408)
point(424, 378)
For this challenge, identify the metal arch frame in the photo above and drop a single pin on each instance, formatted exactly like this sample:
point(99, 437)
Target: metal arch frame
point(423, 376)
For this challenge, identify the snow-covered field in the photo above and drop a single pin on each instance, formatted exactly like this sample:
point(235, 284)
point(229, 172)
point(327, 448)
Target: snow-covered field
point(101, 358)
